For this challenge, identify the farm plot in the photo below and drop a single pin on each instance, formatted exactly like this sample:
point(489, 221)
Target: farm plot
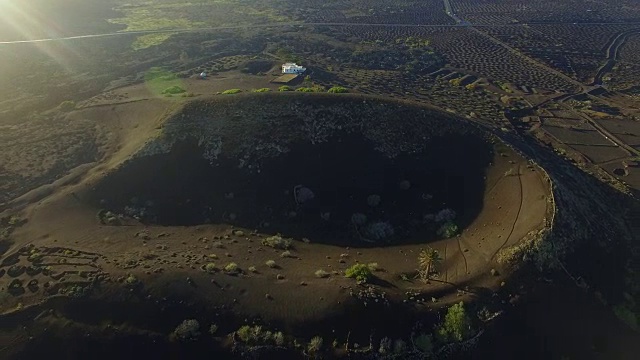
point(623, 76)
point(577, 136)
point(626, 129)
point(630, 174)
point(465, 49)
point(600, 154)
point(370, 11)
point(571, 11)
point(630, 51)
point(576, 50)
point(576, 124)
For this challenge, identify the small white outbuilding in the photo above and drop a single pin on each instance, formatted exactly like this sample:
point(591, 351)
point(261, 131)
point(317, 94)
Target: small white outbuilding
point(293, 68)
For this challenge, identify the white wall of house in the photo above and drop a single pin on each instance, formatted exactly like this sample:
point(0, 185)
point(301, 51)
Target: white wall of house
point(291, 68)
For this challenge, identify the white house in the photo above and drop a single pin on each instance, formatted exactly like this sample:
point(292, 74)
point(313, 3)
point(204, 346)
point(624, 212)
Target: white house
point(293, 68)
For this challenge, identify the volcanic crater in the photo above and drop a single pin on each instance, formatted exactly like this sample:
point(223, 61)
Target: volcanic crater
point(263, 201)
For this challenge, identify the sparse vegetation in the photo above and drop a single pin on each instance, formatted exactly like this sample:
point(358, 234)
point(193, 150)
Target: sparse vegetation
point(286, 254)
point(272, 264)
point(173, 90)
point(315, 345)
point(231, 91)
point(360, 272)
point(232, 268)
point(278, 338)
point(213, 329)
point(67, 105)
point(285, 88)
point(188, 330)
point(338, 90)
point(257, 335)
point(277, 242)
point(210, 268)
point(448, 230)
point(322, 274)
point(131, 280)
point(262, 90)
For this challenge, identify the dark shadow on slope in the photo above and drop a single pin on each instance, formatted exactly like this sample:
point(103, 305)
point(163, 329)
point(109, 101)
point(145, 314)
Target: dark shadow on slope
point(182, 188)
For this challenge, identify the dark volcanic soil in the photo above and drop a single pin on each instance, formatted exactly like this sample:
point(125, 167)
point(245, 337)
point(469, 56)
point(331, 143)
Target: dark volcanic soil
point(185, 189)
point(343, 171)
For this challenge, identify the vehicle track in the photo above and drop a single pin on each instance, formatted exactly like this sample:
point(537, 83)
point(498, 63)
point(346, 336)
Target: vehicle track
point(506, 240)
point(466, 266)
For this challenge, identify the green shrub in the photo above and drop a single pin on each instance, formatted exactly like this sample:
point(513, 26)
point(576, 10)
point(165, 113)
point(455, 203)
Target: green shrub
point(277, 242)
point(245, 333)
point(338, 90)
point(456, 325)
point(360, 272)
point(172, 90)
point(304, 89)
point(231, 91)
point(374, 267)
point(67, 105)
point(448, 230)
point(210, 268)
point(285, 88)
point(232, 268)
point(261, 90)
point(131, 280)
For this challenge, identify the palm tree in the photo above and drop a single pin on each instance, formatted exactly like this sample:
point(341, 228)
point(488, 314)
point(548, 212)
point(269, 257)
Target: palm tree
point(428, 260)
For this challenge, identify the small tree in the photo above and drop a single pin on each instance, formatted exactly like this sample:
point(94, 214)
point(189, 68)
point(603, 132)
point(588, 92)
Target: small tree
point(457, 324)
point(427, 261)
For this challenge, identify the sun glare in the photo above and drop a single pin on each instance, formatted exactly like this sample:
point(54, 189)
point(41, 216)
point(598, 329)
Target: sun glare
point(29, 22)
